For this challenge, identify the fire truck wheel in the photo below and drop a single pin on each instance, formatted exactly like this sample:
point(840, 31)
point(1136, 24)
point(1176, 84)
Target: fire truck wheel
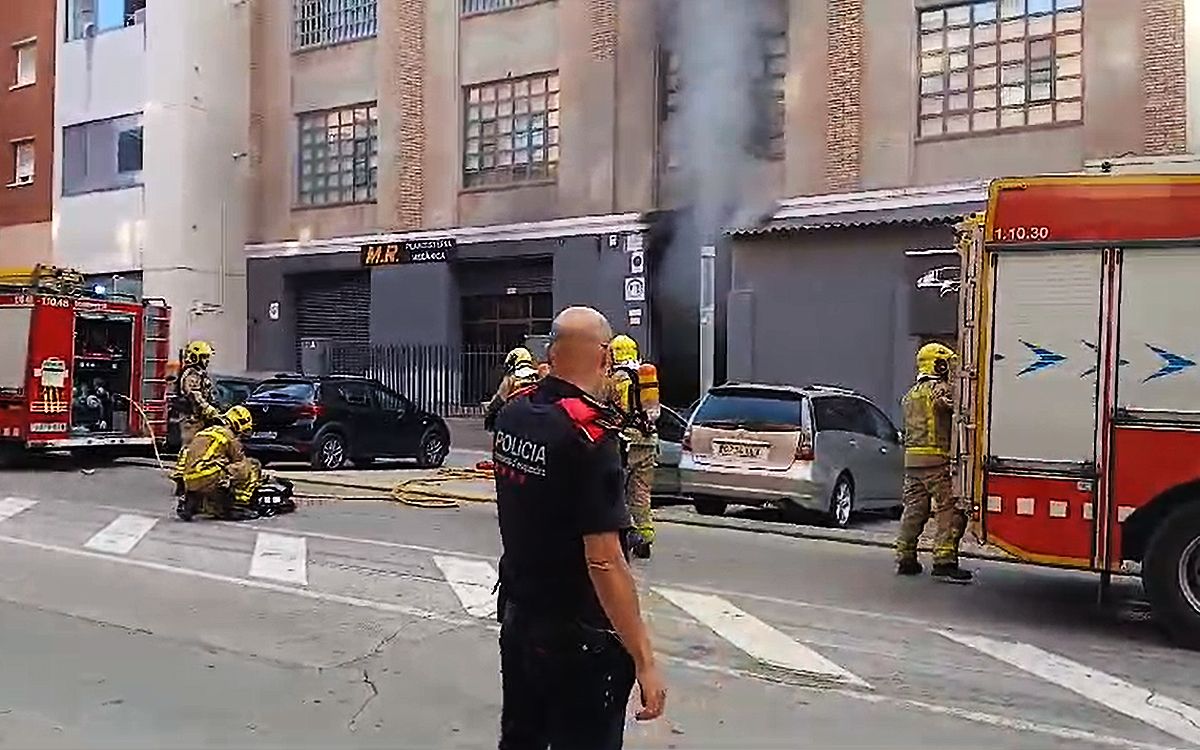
point(1171, 574)
point(10, 455)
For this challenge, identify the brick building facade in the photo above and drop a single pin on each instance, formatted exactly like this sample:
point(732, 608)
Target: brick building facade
point(26, 131)
point(870, 123)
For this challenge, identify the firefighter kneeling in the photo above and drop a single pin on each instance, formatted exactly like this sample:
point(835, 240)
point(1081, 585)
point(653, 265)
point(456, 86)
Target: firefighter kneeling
point(928, 409)
point(215, 475)
point(641, 441)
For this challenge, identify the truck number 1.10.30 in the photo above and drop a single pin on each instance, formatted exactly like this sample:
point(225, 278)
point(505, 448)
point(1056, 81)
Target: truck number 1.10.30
point(1021, 234)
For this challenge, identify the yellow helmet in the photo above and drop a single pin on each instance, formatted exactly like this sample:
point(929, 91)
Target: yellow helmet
point(624, 349)
point(930, 356)
point(518, 356)
point(239, 420)
point(198, 353)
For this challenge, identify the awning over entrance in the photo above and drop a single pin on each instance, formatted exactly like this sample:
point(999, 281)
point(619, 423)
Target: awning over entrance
point(918, 205)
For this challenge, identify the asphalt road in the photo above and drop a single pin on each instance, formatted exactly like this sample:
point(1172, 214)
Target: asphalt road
point(364, 624)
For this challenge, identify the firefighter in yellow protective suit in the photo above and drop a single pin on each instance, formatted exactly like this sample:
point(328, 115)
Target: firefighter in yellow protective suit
point(928, 412)
point(215, 470)
point(195, 396)
point(641, 446)
point(520, 370)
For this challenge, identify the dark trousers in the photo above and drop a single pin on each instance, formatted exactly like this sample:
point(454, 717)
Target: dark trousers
point(566, 687)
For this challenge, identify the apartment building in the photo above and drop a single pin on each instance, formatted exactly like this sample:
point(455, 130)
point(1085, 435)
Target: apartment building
point(151, 143)
point(582, 151)
point(26, 132)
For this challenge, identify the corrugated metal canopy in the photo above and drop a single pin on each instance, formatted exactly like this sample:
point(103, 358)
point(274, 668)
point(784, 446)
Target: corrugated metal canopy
point(922, 205)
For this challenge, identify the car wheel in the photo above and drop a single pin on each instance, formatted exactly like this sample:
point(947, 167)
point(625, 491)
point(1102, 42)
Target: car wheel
point(432, 451)
point(1171, 575)
point(841, 503)
point(329, 452)
point(710, 507)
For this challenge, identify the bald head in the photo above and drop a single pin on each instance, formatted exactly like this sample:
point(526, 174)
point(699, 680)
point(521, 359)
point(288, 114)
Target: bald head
point(579, 340)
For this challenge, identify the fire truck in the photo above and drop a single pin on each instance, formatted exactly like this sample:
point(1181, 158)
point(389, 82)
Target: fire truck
point(1078, 422)
point(82, 369)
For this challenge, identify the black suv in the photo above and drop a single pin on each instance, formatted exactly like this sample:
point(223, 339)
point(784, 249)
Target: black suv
point(329, 420)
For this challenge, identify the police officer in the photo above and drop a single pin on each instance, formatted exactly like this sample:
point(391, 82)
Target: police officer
point(520, 371)
point(194, 392)
point(641, 444)
point(928, 408)
point(214, 469)
point(572, 639)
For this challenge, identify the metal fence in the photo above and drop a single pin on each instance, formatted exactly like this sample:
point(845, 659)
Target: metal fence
point(447, 380)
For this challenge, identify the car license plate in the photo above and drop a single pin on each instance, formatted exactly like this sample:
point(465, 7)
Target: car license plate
point(263, 435)
point(739, 450)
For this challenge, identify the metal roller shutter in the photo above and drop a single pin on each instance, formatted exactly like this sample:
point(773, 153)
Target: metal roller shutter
point(337, 307)
point(525, 275)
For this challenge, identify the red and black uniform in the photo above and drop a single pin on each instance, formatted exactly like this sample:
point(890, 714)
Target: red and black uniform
point(559, 477)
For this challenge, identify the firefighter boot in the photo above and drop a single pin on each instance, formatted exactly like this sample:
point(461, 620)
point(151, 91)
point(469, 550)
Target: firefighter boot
point(639, 546)
point(951, 573)
point(909, 567)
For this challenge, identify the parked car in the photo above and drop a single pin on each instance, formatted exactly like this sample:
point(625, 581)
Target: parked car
point(821, 448)
point(330, 420)
point(670, 446)
point(231, 391)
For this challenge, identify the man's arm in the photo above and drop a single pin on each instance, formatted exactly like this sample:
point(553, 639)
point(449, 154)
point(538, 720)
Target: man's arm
point(943, 397)
point(193, 388)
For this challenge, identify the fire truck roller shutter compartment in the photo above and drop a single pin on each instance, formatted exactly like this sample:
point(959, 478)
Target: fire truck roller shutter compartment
point(1044, 357)
point(103, 372)
point(14, 342)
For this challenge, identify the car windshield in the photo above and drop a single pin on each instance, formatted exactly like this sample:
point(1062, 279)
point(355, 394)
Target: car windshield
point(284, 391)
point(749, 409)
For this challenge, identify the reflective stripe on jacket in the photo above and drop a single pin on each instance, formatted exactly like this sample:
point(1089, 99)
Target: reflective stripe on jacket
point(928, 407)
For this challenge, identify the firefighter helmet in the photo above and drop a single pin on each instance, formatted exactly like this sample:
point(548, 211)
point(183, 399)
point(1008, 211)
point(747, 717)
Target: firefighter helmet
point(517, 357)
point(935, 360)
point(239, 420)
point(198, 353)
point(624, 349)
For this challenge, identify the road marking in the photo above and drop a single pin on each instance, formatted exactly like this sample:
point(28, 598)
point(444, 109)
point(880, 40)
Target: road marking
point(11, 506)
point(1169, 715)
point(755, 637)
point(122, 535)
point(278, 557)
point(965, 714)
point(248, 583)
point(474, 583)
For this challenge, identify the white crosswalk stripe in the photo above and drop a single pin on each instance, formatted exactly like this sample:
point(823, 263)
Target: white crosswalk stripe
point(757, 638)
point(473, 581)
point(11, 506)
point(280, 557)
point(122, 535)
point(1169, 715)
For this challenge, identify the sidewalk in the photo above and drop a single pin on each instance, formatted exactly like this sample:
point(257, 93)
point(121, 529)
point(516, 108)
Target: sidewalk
point(871, 531)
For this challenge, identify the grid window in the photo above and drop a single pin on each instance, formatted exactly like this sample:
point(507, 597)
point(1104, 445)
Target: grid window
point(339, 156)
point(511, 131)
point(473, 7)
point(319, 23)
point(102, 155)
point(26, 72)
point(23, 162)
point(770, 81)
point(994, 64)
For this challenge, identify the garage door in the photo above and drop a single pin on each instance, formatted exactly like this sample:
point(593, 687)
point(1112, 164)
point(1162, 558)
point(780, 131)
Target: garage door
point(337, 307)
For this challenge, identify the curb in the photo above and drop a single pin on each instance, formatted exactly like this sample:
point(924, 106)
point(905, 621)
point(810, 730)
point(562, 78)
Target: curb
point(817, 533)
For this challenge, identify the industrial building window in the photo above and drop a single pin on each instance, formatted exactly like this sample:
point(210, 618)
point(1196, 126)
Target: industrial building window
point(339, 156)
point(26, 71)
point(1008, 64)
point(769, 82)
point(475, 7)
point(86, 18)
point(499, 322)
point(320, 23)
point(23, 162)
point(511, 131)
point(102, 155)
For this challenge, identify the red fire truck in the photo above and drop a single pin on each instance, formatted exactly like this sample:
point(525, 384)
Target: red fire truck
point(1078, 437)
point(81, 369)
